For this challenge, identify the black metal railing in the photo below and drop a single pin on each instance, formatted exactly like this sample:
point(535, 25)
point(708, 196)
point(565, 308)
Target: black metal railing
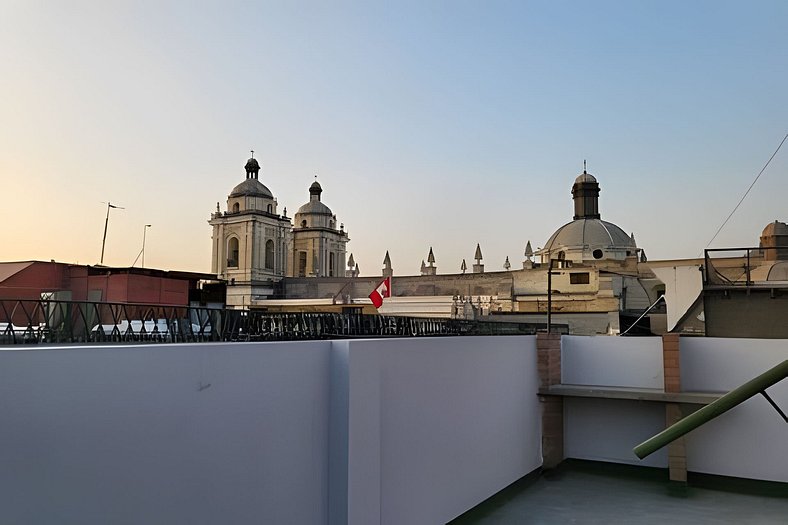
point(50, 321)
point(737, 263)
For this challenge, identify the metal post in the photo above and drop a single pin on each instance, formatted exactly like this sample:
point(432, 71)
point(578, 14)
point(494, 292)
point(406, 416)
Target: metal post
point(104, 239)
point(106, 223)
point(144, 231)
point(549, 295)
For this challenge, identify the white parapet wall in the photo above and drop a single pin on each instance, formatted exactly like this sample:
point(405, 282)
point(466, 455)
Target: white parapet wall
point(436, 426)
point(208, 433)
point(606, 430)
point(629, 362)
point(749, 441)
point(366, 431)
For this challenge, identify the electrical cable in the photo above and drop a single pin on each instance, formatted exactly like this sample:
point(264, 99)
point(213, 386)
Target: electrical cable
point(748, 190)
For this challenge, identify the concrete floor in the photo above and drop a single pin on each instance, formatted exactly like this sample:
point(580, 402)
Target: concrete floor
point(599, 493)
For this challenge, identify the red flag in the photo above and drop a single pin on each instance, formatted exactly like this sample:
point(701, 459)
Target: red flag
point(383, 290)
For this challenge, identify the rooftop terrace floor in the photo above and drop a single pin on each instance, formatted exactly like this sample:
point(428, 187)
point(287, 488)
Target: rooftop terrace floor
point(602, 493)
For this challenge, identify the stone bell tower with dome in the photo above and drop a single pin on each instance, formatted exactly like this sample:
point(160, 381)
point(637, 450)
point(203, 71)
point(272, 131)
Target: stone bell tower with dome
point(318, 245)
point(250, 240)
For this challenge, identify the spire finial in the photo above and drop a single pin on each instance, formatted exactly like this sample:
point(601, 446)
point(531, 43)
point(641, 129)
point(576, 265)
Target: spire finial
point(584, 166)
point(252, 153)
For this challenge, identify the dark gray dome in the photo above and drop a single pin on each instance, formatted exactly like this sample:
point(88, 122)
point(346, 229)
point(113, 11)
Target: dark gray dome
point(252, 165)
point(315, 207)
point(251, 188)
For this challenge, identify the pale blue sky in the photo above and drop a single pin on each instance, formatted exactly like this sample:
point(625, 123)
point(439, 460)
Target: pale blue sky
point(436, 124)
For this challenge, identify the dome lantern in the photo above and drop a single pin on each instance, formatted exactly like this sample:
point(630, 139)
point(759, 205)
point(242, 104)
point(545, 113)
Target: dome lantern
point(252, 167)
point(585, 193)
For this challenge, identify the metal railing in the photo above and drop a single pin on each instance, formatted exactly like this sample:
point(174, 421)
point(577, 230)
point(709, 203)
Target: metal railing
point(750, 259)
point(50, 321)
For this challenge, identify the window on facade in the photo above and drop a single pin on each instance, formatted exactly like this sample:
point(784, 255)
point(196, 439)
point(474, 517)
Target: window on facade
point(598, 254)
point(302, 264)
point(269, 254)
point(232, 252)
point(269, 208)
point(331, 265)
point(236, 207)
point(579, 278)
point(303, 223)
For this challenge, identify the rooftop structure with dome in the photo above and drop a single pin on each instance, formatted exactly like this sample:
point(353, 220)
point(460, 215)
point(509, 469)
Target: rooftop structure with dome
point(588, 238)
point(599, 275)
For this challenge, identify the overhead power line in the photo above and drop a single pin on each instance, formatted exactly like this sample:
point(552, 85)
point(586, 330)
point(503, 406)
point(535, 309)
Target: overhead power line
point(748, 191)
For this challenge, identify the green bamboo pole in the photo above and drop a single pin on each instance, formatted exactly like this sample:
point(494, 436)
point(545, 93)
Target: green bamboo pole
point(712, 410)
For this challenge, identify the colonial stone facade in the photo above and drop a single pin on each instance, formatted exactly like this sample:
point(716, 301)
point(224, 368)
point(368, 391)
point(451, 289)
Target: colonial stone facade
point(597, 279)
point(254, 247)
point(250, 240)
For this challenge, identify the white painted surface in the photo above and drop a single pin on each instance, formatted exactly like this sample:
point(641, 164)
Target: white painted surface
point(634, 362)
point(683, 285)
point(439, 425)
point(608, 430)
point(750, 440)
point(388, 431)
point(209, 433)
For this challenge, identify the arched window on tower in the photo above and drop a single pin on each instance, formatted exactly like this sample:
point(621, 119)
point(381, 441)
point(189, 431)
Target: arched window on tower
point(303, 223)
point(331, 265)
point(232, 252)
point(236, 207)
point(269, 208)
point(269, 254)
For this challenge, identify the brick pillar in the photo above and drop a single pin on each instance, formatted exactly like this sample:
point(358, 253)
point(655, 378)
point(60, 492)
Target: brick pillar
point(548, 351)
point(671, 364)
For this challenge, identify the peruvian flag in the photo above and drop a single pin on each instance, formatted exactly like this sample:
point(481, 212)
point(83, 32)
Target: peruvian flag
point(383, 290)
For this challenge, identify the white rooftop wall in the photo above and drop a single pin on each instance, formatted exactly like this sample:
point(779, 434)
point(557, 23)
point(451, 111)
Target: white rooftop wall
point(751, 440)
point(438, 425)
point(385, 431)
point(634, 362)
point(208, 433)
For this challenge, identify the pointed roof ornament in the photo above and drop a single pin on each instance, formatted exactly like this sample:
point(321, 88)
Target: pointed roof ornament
point(423, 265)
point(632, 236)
point(463, 266)
point(431, 257)
point(387, 259)
point(643, 257)
point(584, 166)
point(507, 264)
point(350, 262)
point(478, 255)
point(529, 252)
point(357, 270)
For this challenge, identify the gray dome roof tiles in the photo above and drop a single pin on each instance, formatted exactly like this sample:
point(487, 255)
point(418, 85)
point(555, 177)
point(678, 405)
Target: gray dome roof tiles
point(315, 207)
point(251, 188)
point(590, 232)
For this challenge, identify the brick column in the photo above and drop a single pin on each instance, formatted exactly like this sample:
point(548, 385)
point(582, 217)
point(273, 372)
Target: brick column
point(548, 351)
point(671, 364)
